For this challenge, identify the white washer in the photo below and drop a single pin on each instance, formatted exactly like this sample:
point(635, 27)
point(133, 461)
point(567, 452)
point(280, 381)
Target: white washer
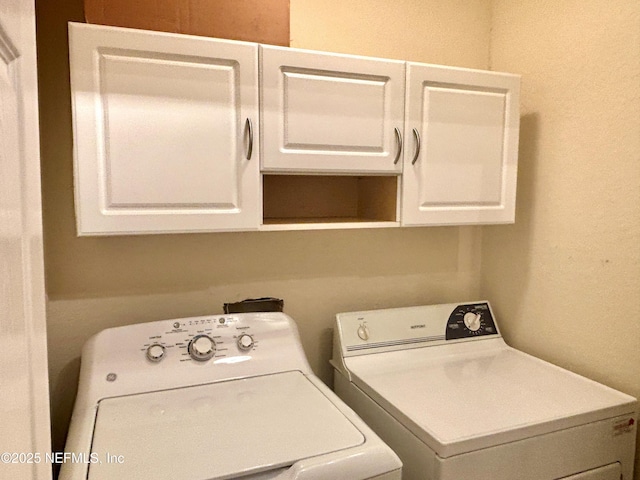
point(214, 397)
point(442, 388)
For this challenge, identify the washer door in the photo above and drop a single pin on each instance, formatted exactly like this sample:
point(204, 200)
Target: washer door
point(219, 430)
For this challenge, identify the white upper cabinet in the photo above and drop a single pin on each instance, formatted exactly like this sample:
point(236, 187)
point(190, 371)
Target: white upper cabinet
point(174, 133)
point(324, 112)
point(461, 154)
point(166, 132)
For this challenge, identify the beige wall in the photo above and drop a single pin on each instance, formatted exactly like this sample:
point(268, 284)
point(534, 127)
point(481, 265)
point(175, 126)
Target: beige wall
point(95, 283)
point(449, 32)
point(565, 279)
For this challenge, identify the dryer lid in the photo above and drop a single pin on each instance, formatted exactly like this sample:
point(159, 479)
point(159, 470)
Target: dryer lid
point(219, 430)
point(467, 396)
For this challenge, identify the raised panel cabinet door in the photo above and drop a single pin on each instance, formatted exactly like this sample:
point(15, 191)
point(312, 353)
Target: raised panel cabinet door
point(324, 112)
point(461, 155)
point(165, 132)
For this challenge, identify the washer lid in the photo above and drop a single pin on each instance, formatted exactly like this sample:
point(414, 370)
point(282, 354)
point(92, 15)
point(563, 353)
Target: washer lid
point(466, 396)
point(219, 430)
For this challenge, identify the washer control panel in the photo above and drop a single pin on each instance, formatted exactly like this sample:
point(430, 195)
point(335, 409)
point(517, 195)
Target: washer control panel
point(471, 320)
point(181, 352)
point(200, 339)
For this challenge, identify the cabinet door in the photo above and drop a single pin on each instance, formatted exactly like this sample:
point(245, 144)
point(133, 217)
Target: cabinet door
point(325, 112)
point(161, 132)
point(461, 150)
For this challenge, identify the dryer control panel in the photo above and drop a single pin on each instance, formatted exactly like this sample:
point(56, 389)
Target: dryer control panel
point(398, 328)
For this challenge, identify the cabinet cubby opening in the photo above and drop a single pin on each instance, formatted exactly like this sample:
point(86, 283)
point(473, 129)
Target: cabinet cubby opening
point(290, 199)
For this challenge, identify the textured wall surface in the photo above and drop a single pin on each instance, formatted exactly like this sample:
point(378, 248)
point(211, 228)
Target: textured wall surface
point(96, 283)
point(448, 32)
point(565, 279)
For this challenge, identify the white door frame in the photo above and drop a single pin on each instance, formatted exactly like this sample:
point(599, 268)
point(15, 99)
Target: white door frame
point(24, 385)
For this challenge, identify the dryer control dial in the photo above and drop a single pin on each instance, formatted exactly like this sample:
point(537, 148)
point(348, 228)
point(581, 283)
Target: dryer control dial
point(363, 332)
point(470, 320)
point(202, 348)
point(155, 352)
point(245, 342)
point(473, 321)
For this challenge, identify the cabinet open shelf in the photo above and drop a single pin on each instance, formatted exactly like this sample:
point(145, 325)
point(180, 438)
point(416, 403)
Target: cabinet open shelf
point(319, 201)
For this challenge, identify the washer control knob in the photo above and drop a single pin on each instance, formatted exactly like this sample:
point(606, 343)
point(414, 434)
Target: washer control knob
point(472, 321)
point(155, 352)
point(363, 332)
point(202, 348)
point(245, 342)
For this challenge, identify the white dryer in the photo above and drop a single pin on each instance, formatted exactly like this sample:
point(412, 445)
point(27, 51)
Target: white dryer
point(213, 397)
point(442, 388)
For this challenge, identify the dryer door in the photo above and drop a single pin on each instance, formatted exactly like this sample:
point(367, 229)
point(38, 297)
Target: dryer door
point(608, 472)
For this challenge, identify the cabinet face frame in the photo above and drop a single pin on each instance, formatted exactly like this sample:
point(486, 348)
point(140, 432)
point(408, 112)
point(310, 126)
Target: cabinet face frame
point(468, 174)
point(330, 113)
point(127, 181)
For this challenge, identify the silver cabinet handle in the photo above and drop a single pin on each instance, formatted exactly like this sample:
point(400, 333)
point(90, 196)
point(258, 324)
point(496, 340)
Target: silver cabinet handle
point(417, 154)
point(248, 128)
point(399, 142)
